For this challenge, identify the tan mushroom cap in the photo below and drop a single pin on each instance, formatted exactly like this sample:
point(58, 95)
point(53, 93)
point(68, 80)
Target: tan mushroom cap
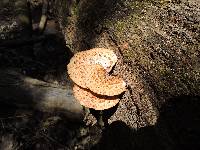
point(88, 99)
point(101, 83)
point(79, 67)
point(80, 73)
point(104, 57)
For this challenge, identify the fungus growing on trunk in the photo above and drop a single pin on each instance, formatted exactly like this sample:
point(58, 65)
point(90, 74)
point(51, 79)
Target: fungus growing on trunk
point(91, 100)
point(80, 64)
point(94, 87)
point(101, 83)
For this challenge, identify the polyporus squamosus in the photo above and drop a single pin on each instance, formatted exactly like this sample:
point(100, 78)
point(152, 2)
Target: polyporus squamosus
point(95, 87)
point(90, 100)
point(101, 83)
point(79, 66)
point(105, 57)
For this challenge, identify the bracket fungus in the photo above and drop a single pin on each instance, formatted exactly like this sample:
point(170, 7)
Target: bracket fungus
point(80, 64)
point(94, 87)
point(101, 83)
point(90, 100)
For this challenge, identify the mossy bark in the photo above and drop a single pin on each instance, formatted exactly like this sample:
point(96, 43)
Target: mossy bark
point(158, 45)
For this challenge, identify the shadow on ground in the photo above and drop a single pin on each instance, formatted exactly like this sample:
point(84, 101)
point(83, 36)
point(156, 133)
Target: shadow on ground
point(25, 130)
point(177, 128)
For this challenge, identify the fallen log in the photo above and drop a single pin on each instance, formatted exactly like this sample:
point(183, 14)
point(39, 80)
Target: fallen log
point(26, 92)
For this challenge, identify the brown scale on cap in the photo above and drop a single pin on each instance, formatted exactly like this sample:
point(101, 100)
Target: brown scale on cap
point(79, 67)
point(102, 83)
point(79, 73)
point(90, 100)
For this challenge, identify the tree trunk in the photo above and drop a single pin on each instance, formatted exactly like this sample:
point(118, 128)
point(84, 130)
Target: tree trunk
point(158, 47)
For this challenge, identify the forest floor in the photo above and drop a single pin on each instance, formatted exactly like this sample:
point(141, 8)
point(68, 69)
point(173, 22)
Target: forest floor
point(45, 59)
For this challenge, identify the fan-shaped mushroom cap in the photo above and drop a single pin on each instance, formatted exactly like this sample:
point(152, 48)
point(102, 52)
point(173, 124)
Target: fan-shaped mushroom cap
point(88, 99)
point(101, 83)
point(104, 57)
point(79, 73)
point(79, 66)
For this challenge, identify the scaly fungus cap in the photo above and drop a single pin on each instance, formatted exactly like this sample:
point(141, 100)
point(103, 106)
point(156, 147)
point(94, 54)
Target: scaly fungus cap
point(101, 83)
point(104, 57)
point(90, 100)
point(79, 66)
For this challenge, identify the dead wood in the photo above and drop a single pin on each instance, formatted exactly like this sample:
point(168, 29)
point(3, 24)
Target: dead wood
point(26, 92)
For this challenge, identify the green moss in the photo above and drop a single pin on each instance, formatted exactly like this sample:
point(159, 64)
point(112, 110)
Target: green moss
point(75, 10)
